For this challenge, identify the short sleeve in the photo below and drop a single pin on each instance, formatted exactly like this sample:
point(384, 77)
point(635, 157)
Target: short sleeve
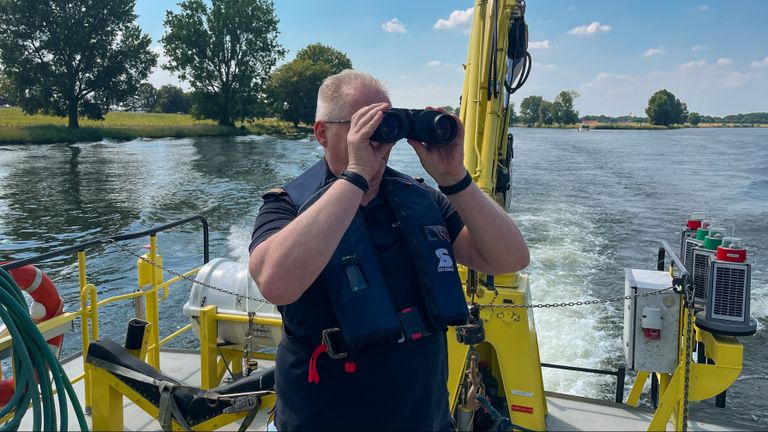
point(275, 214)
point(453, 221)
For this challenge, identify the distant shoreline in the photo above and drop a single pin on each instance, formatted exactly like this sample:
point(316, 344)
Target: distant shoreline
point(645, 126)
point(18, 128)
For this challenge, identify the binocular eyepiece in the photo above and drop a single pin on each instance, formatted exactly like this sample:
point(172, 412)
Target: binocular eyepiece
point(429, 126)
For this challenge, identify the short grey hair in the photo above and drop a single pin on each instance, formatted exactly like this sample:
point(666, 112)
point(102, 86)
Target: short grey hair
point(338, 88)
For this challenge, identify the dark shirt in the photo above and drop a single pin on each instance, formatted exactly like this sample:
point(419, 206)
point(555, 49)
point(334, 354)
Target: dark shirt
point(396, 386)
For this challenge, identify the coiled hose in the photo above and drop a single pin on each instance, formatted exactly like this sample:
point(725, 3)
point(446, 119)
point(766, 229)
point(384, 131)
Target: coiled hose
point(32, 361)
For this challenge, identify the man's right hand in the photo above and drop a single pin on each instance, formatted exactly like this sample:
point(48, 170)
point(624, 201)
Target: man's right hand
point(366, 157)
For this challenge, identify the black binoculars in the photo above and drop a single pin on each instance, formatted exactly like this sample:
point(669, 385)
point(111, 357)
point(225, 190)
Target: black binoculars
point(429, 126)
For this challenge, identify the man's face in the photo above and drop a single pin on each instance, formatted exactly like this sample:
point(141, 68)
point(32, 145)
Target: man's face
point(335, 134)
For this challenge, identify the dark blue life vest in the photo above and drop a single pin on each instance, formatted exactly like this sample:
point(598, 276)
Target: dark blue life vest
point(358, 294)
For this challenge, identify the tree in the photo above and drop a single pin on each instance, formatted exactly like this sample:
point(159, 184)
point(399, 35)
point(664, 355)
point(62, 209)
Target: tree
point(336, 60)
point(512, 116)
point(7, 92)
point(665, 109)
point(293, 87)
point(70, 58)
point(546, 112)
point(293, 90)
point(226, 52)
point(694, 118)
point(529, 110)
point(562, 108)
point(144, 99)
point(172, 99)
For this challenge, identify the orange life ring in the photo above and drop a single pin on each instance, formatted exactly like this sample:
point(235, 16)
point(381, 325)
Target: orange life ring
point(46, 304)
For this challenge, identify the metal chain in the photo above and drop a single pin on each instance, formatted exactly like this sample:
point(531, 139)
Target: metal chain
point(572, 303)
point(187, 278)
point(688, 348)
point(486, 306)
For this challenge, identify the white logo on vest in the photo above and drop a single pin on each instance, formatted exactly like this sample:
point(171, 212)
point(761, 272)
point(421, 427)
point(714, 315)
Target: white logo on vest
point(446, 263)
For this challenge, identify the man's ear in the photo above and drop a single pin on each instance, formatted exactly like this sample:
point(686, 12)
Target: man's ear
point(321, 133)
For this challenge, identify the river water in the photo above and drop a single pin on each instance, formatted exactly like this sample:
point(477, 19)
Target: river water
point(589, 205)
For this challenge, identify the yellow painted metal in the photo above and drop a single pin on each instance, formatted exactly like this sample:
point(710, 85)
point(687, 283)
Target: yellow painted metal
point(705, 380)
point(209, 333)
point(165, 285)
point(512, 350)
point(637, 388)
point(107, 415)
point(149, 277)
point(120, 297)
point(175, 334)
point(471, 102)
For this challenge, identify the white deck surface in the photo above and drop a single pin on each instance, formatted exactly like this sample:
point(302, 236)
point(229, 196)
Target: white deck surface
point(566, 413)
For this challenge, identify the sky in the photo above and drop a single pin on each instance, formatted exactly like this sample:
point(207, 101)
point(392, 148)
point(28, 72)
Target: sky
point(713, 55)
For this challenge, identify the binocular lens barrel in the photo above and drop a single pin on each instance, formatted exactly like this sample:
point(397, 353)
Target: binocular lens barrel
point(429, 126)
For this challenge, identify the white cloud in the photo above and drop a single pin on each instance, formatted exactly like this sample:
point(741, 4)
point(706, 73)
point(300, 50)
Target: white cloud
point(435, 63)
point(393, 26)
point(539, 44)
point(699, 48)
point(544, 66)
point(760, 63)
point(724, 61)
point(159, 77)
point(654, 51)
point(590, 29)
point(457, 19)
point(692, 65)
point(704, 7)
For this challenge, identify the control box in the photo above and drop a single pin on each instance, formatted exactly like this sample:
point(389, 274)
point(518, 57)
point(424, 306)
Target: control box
point(651, 323)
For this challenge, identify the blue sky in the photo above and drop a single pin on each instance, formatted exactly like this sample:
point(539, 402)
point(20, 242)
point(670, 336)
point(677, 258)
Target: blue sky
point(713, 55)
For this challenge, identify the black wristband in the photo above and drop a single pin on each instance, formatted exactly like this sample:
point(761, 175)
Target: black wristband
point(458, 187)
point(356, 179)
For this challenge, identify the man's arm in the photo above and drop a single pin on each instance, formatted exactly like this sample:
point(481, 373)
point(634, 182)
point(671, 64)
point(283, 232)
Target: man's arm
point(490, 242)
point(286, 264)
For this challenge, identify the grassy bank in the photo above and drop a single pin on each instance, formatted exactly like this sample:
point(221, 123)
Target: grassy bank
point(645, 126)
point(17, 127)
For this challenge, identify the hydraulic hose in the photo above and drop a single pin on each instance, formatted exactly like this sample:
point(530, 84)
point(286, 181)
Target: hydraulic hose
point(37, 370)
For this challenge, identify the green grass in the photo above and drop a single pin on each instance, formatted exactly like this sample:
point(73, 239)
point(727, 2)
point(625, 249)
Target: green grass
point(17, 127)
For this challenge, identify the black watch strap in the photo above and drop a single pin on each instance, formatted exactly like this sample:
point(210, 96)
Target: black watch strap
point(458, 187)
point(356, 179)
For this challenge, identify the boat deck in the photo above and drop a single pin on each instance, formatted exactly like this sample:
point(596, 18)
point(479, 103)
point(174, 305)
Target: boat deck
point(566, 413)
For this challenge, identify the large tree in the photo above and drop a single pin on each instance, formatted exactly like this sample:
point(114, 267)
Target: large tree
point(665, 109)
point(172, 99)
point(293, 87)
point(562, 108)
point(73, 57)
point(529, 110)
point(226, 52)
point(7, 92)
point(144, 99)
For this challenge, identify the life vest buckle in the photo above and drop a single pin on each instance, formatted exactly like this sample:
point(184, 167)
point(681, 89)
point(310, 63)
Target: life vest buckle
point(334, 343)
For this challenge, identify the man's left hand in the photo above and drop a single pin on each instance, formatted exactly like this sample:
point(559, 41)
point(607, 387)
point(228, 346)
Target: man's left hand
point(445, 163)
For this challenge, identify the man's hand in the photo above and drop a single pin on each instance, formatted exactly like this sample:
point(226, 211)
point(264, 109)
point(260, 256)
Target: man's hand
point(366, 157)
point(445, 163)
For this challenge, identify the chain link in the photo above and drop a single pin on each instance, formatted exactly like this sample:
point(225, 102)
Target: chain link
point(572, 303)
point(187, 278)
point(688, 345)
point(485, 306)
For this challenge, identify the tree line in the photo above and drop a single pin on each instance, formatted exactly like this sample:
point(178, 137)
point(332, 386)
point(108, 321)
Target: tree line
point(74, 58)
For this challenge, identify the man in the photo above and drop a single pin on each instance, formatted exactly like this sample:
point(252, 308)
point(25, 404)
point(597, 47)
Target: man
point(341, 251)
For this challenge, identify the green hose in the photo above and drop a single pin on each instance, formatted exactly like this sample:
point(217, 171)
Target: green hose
point(32, 359)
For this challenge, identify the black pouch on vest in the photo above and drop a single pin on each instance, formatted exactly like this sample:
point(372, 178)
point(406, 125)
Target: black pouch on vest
point(360, 299)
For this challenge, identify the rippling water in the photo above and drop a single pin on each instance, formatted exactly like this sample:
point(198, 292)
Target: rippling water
point(589, 205)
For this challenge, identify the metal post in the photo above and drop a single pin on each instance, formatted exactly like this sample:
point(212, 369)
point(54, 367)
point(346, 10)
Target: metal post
point(654, 391)
point(620, 375)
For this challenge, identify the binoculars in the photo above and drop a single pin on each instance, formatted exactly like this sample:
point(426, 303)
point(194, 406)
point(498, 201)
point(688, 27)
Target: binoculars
point(429, 126)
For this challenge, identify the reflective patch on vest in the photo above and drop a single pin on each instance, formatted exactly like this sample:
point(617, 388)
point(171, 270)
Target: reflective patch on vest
point(446, 263)
point(436, 232)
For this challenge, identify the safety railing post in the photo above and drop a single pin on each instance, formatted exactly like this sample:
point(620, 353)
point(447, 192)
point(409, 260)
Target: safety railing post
point(620, 375)
point(84, 327)
point(149, 278)
point(209, 336)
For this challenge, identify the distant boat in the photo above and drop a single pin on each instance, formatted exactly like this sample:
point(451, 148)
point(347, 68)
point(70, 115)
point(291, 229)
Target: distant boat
point(584, 128)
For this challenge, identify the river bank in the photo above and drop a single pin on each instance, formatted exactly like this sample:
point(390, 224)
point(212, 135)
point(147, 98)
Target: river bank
point(644, 126)
point(19, 128)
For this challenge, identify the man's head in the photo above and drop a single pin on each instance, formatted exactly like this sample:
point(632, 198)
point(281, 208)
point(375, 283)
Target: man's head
point(339, 97)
